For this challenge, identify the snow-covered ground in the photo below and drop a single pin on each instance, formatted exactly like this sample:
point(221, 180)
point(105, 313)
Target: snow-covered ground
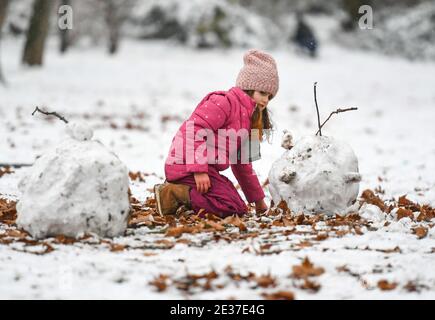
point(136, 100)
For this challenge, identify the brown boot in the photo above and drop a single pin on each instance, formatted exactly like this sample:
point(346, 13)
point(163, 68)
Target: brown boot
point(170, 196)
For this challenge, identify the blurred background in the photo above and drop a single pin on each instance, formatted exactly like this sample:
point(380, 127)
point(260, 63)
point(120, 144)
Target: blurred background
point(134, 70)
point(400, 27)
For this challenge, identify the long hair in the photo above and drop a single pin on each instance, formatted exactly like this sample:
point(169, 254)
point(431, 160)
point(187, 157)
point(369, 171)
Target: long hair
point(261, 120)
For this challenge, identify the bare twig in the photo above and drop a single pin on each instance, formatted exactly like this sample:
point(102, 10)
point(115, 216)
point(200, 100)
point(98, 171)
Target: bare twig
point(49, 114)
point(334, 112)
point(317, 108)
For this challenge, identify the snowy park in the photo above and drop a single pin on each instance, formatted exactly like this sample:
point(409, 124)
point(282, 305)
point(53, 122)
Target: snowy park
point(123, 111)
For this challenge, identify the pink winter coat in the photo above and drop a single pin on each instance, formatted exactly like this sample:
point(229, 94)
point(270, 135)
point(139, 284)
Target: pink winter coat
point(218, 110)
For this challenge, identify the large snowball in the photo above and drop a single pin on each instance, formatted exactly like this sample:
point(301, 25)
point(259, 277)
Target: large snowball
point(317, 175)
point(77, 187)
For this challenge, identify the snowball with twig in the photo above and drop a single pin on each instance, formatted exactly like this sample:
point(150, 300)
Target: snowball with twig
point(316, 174)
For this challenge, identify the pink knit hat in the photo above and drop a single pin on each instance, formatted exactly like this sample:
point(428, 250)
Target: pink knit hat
point(258, 73)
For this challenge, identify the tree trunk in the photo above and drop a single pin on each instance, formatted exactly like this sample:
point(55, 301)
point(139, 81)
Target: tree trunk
point(3, 10)
point(116, 12)
point(64, 34)
point(37, 32)
point(113, 25)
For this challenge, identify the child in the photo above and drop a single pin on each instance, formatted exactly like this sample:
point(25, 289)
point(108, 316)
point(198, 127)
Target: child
point(197, 184)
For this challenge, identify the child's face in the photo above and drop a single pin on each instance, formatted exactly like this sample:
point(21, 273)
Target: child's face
point(262, 99)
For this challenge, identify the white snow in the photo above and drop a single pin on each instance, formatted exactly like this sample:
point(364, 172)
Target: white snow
point(77, 187)
point(374, 214)
point(391, 134)
point(318, 175)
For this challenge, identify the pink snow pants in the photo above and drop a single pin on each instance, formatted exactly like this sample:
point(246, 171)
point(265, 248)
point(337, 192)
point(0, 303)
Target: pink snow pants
point(222, 199)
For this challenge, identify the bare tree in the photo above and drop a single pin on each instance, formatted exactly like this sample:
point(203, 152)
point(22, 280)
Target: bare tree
point(115, 13)
point(3, 10)
point(37, 32)
point(113, 25)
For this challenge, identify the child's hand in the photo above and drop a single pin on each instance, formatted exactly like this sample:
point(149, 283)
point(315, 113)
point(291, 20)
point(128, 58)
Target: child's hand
point(260, 206)
point(202, 181)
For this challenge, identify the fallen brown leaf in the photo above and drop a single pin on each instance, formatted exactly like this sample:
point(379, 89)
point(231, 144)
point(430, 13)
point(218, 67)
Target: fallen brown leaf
point(307, 269)
point(369, 197)
point(210, 224)
point(160, 282)
point(421, 232)
point(5, 170)
point(8, 211)
point(321, 237)
point(403, 213)
point(117, 247)
point(386, 286)
point(136, 176)
point(236, 221)
point(310, 285)
point(279, 295)
point(266, 281)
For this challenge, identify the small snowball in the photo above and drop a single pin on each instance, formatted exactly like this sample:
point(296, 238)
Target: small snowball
point(79, 131)
point(404, 225)
point(287, 140)
point(373, 213)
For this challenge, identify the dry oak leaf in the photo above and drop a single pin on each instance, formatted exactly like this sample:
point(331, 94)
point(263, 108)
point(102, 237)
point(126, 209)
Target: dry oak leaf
point(5, 170)
point(178, 231)
point(283, 205)
point(403, 213)
point(117, 247)
point(386, 286)
point(64, 239)
point(321, 236)
point(426, 213)
point(307, 269)
point(8, 212)
point(310, 285)
point(413, 286)
point(160, 282)
point(279, 295)
point(15, 233)
point(421, 232)
point(136, 176)
point(265, 281)
point(210, 224)
point(404, 202)
point(236, 221)
point(144, 217)
point(369, 196)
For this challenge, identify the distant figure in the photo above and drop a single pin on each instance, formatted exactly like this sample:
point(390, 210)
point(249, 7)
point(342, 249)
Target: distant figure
point(304, 37)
